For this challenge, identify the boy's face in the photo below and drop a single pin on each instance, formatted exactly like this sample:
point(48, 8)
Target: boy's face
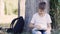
point(41, 11)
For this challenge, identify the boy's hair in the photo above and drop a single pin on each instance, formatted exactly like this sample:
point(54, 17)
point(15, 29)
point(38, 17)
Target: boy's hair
point(42, 5)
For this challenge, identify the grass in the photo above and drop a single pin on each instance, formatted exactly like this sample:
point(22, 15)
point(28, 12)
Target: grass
point(8, 25)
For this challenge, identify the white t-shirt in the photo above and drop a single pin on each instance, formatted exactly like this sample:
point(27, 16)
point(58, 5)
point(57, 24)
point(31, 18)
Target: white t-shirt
point(41, 21)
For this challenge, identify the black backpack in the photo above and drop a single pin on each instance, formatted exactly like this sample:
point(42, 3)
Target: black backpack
point(18, 28)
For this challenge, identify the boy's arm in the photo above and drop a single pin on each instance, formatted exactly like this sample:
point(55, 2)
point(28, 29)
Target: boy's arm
point(31, 25)
point(49, 21)
point(49, 26)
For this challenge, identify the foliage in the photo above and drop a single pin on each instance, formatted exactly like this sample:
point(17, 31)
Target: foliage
point(15, 11)
point(11, 7)
point(53, 12)
point(55, 15)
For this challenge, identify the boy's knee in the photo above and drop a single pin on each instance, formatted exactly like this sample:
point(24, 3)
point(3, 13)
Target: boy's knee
point(38, 32)
point(35, 32)
point(48, 32)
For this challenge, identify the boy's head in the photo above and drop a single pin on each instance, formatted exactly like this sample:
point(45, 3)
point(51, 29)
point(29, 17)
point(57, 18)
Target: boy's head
point(42, 6)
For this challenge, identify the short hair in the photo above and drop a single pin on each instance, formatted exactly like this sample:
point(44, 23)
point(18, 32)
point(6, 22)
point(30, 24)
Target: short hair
point(42, 5)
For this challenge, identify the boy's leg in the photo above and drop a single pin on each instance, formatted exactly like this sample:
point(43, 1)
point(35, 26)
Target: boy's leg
point(42, 31)
point(48, 32)
point(38, 32)
point(35, 32)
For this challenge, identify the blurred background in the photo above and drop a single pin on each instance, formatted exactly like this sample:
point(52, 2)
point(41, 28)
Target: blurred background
point(9, 11)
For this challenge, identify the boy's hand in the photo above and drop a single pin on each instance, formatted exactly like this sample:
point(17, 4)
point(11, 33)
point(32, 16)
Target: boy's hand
point(37, 26)
point(31, 25)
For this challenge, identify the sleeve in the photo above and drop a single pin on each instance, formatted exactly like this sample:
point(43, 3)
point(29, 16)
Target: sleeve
point(49, 19)
point(33, 19)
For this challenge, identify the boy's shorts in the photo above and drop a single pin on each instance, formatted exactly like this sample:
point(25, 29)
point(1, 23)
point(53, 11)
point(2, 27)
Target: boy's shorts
point(42, 31)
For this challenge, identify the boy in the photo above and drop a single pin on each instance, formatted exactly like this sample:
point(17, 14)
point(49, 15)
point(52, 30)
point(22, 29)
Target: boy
point(41, 21)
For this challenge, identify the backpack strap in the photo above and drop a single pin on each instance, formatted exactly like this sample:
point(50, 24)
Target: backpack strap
point(13, 21)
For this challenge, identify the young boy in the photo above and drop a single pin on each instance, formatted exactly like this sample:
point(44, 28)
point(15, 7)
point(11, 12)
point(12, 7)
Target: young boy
point(41, 21)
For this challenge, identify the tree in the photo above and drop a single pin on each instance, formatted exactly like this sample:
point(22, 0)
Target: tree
point(32, 8)
point(1, 7)
point(54, 13)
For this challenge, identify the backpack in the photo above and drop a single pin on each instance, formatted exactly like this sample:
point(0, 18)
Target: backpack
point(18, 28)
